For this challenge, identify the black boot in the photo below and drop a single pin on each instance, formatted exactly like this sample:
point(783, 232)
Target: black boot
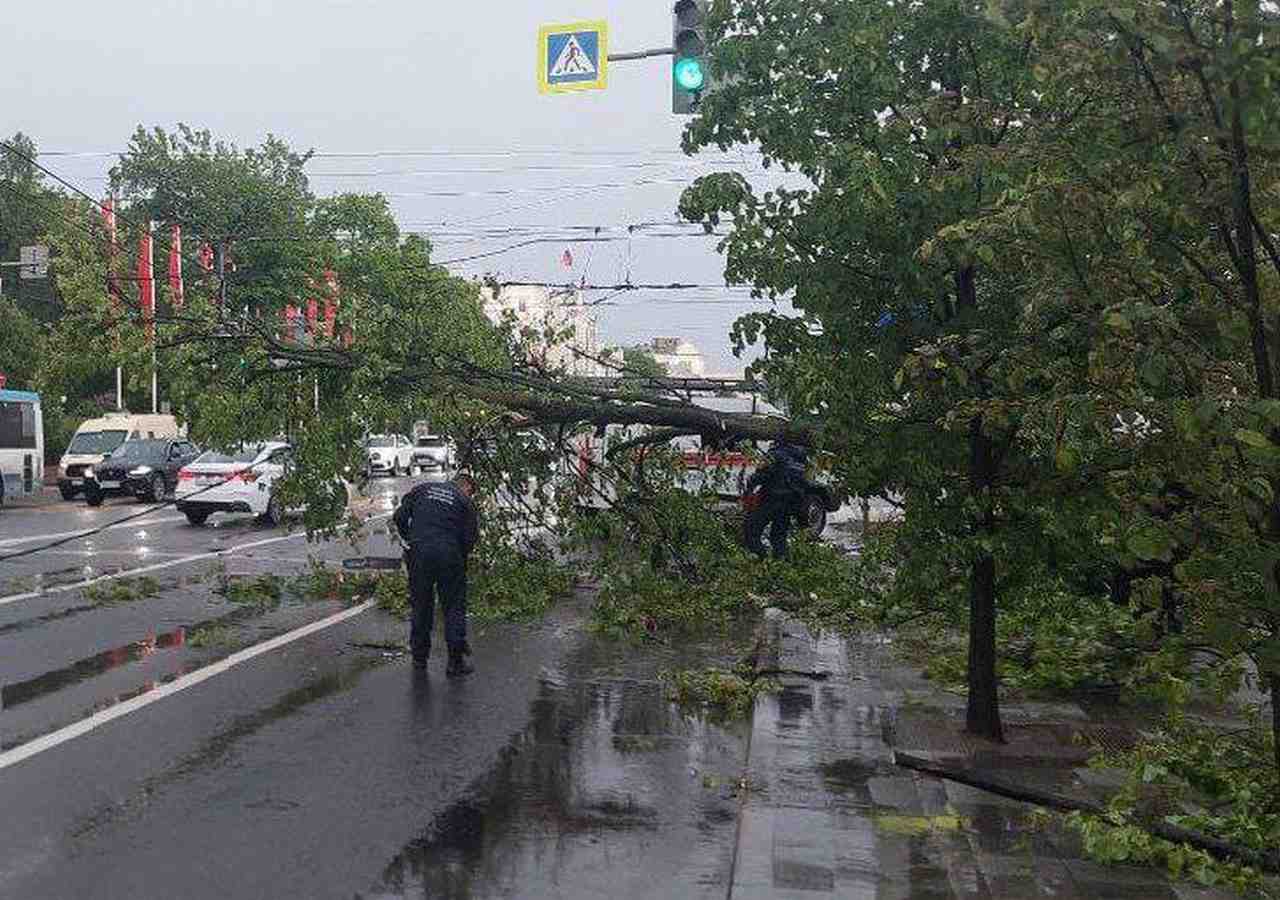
point(458, 665)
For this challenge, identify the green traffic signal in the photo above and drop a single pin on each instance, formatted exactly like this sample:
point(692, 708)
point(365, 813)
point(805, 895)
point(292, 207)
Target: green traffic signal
point(689, 74)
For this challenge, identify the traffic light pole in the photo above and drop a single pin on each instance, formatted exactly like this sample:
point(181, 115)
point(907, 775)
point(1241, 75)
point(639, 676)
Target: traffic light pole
point(642, 54)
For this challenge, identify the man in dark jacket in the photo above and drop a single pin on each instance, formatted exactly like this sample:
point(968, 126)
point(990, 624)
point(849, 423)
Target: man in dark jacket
point(783, 490)
point(438, 520)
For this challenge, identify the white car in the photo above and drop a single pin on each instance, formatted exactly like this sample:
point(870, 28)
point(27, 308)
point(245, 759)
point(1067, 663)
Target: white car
point(389, 454)
point(432, 454)
point(234, 482)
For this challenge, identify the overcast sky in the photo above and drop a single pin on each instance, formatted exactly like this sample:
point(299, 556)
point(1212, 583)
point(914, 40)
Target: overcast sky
point(456, 79)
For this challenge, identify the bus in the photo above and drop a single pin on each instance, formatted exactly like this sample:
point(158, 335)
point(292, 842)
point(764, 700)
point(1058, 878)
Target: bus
point(21, 445)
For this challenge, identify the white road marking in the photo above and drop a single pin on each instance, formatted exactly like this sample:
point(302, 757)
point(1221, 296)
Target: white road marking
point(10, 542)
point(120, 552)
point(191, 679)
point(143, 570)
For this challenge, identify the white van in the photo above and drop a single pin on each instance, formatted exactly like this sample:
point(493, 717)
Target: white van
point(95, 438)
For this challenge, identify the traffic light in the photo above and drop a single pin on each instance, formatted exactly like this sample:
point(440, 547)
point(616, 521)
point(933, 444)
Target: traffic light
point(689, 76)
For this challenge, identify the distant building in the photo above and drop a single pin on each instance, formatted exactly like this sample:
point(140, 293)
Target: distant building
point(542, 311)
point(681, 357)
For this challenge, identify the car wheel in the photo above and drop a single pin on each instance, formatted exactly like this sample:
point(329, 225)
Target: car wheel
point(93, 496)
point(196, 519)
point(814, 516)
point(275, 512)
point(67, 493)
point(156, 491)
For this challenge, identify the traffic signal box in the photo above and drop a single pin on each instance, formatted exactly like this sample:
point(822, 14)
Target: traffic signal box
point(689, 76)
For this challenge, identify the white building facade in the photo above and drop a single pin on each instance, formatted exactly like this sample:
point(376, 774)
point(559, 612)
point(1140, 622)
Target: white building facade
point(544, 311)
point(681, 357)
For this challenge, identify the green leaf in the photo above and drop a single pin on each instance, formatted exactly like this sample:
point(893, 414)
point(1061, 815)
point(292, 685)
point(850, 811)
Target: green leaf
point(1150, 543)
point(986, 254)
point(1118, 321)
point(1067, 458)
point(1268, 409)
point(1252, 439)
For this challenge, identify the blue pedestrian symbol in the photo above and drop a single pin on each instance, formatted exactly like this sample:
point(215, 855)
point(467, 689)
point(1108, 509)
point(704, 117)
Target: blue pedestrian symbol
point(572, 57)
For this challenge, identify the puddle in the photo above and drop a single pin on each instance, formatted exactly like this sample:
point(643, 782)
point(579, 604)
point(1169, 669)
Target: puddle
point(17, 693)
point(609, 788)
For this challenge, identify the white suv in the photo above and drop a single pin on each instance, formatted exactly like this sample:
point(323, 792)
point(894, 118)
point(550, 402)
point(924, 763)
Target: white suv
point(388, 454)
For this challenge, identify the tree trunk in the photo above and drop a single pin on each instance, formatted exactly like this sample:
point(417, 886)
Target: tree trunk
point(982, 717)
point(1275, 718)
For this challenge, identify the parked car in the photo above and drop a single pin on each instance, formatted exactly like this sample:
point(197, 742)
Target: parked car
point(388, 454)
point(96, 438)
point(432, 454)
point(234, 482)
point(146, 469)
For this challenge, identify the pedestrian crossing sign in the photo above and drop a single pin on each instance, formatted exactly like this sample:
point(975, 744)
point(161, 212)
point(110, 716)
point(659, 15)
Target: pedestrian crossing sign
point(573, 57)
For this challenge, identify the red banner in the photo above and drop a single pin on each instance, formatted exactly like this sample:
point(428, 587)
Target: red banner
point(290, 314)
point(330, 317)
point(313, 311)
point(113, 282)
point(146, 282)
point(175, 267)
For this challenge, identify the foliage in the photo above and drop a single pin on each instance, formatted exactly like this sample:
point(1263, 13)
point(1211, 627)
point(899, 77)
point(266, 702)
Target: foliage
point(671, 562)
point(124, 590)
point(20, 346)
point(1114, 839)
point(220, 637)
point(931, 380)
point(1219, 782)
point(265, 591)
point(724, 695)
point(502, 587)
point(1201, 777)
point(1051, 641)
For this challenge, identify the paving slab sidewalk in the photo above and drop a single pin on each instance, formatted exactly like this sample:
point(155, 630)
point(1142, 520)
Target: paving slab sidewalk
point(827, 813)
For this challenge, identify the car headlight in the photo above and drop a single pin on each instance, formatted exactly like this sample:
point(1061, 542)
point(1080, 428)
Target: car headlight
point(140, 470)
point(88, 472)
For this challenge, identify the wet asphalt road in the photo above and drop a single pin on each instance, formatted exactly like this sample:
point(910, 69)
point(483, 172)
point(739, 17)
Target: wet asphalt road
point(322, 766)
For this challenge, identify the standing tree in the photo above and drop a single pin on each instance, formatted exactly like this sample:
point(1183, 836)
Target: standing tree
point(916, 343)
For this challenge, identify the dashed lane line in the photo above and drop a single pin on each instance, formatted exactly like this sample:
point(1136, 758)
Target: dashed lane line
point(190, 680)
point(156, 567)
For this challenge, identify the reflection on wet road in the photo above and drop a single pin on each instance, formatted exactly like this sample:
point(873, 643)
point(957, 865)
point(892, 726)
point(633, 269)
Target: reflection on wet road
point(608, 791)
point(324, 767)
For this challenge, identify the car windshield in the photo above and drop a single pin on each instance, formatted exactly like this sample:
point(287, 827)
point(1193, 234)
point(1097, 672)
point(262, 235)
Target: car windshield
point(140, 450)
point(246, 455)
point(95, 442)
point(431, 442)
point(379, 441)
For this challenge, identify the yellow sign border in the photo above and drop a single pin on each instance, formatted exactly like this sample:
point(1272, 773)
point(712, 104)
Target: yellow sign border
point(544, 37)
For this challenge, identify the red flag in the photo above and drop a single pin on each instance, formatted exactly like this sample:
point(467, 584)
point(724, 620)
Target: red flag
point(175, 267)
point(330, 317)
point(146, 282)
point(290, 323)
point(109, 222)
point(313, 310)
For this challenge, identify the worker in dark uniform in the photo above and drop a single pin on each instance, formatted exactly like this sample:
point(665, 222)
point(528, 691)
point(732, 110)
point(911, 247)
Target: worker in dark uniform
point(438, 521)
point(783, 489)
